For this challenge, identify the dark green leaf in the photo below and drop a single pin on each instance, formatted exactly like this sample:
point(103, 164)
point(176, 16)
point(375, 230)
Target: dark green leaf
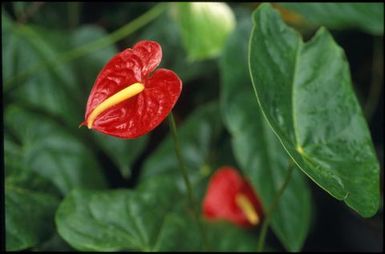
point(368, 17)
point(54, 244)
point(221, 236)
point(258, 151)
point(133, 220)
point(50, 86)
point(51, 152)
point(131, 223)
point(122, 151)
point(88, 67)
point(305, 92)
point(54, 15)
point(204, 27)
point(29, 217)
point(30, 201)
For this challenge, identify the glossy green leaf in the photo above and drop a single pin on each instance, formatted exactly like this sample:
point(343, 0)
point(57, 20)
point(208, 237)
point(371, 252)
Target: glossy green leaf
point(204, 27)
point(133, 220)
point(368, 17)
point(52, 152)
point(259, 153)
point(305, 93)
point(197, 135)
point(131, 223)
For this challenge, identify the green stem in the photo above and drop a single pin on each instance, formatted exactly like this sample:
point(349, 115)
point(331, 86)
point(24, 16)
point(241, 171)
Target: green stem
point(180, 159)
point(183, 171)
point(113, 37)
point(270, 211)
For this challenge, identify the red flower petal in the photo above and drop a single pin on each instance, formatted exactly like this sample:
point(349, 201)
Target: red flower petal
point(150, 53)
point(122, 70)
point(220, 199)
point(142, 113)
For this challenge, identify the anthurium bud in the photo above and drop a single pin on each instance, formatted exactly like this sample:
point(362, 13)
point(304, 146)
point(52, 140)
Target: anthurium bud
point(129, 97)
point(230, 197)
point(204, 28)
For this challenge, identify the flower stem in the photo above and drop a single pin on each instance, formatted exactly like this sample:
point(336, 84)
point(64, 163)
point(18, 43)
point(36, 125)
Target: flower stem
point(271, 209)
point(183, 171)
point(90, 47)
point(180, 159)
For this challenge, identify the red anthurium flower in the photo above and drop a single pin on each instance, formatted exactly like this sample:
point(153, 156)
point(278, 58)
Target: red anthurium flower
point(230, 197)
point(129, 97)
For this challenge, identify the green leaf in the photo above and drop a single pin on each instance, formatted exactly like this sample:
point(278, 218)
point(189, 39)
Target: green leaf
point(30, 201)
point(29, 216)
point(305, 93)
point(129, 223)
point(122, 151)
point(88, 67)
point(55, 243)
point(368, 17)
point(204, 27)
point(221, 236)
point(50, 86)
point(258, 151)
point(53, 153)
point(197, 137)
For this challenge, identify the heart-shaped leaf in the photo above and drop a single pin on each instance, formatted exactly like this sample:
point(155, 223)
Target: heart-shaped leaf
point(151, 218)
point(129, 223)
point(257, 150)
point(52, 152)
point(305, 92)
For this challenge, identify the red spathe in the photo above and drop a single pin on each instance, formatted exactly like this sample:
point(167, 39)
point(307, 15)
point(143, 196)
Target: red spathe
point(220, 199)
point(139, 114)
